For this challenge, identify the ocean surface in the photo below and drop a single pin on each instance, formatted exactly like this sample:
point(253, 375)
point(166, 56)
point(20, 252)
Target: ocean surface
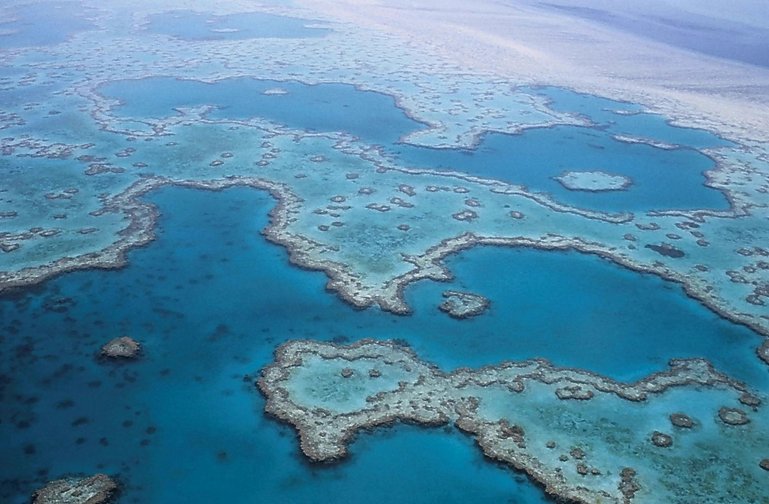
point(210, 299)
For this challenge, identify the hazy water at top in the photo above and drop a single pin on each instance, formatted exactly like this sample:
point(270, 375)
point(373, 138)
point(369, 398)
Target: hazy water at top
point(711, 36)
point(193, 25)
point(42, 24)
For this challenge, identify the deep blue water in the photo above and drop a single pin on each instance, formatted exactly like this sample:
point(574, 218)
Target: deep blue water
point(193, 25)
point(663, 179)
point(42, 24)
point(210, 300)
point(579, 310)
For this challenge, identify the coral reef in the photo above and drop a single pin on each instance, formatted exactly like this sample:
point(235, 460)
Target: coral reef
point(463, 305)
point(123, 347)
point(330, 392)
point(96, 489)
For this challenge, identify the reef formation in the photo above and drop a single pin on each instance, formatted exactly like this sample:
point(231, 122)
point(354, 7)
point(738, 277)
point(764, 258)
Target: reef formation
point(123, 347)
point(584, 437)
point(91, 218)
point(593, 181)
point(96, 489)
point(463, 305)
point(375, 225)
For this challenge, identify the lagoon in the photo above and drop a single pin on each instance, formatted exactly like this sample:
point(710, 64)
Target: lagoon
point(662, 178)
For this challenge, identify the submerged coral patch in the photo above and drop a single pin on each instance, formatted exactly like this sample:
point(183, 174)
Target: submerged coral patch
point(463, 304)
point(593, 181)
point(322, 389)
point(96, 489)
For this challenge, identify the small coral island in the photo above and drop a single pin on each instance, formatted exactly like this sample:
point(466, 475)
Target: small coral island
point(120, 348)
point(632, 444)
point(593, 181)
point(463, 305)
point(96, 489)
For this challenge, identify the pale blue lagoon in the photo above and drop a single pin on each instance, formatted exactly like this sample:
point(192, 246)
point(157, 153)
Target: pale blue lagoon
point(662, 179)
point(195, 25)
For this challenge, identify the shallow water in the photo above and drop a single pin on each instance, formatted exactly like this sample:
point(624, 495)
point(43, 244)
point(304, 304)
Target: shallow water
point(210, 300)
point(662, 179)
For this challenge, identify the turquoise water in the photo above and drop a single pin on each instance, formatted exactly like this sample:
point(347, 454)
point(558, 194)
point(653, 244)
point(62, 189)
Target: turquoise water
point(42, 24)
point(193, 25)
point(210, 300)
point(662, 179)
point(582, 311)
